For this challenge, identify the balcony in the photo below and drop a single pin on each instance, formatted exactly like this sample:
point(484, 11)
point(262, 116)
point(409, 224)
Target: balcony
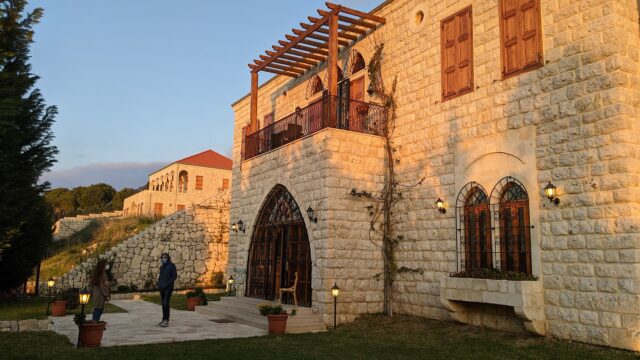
point(327, 112)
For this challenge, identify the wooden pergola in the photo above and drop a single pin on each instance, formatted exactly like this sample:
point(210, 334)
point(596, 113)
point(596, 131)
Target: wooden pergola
point(316, 42)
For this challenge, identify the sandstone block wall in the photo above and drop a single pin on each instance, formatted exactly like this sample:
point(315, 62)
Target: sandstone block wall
point(320, 171)
point(196, 239)
point(573, 121)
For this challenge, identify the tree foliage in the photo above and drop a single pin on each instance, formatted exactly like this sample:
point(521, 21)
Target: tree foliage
point(87, 199)
point(25, 148)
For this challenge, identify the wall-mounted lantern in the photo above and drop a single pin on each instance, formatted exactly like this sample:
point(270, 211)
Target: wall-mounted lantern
point(440, 206)
point(311, 216)
point(550, 192)
point(240, 225)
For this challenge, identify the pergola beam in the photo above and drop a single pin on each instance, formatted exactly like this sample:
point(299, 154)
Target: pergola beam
point(309, 42)
point(343, 35)
point(303, 53)
point(349, 20)
point(320, 37)
point(364, 15)
point(294, 58)
point(346, 28)
point(292, 64)
point(300, 37)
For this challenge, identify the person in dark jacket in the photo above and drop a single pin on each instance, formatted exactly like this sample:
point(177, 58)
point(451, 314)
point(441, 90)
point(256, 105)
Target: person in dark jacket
point(167, 277)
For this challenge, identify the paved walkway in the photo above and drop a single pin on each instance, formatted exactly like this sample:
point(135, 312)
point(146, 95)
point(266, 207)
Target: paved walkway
point(140, 326)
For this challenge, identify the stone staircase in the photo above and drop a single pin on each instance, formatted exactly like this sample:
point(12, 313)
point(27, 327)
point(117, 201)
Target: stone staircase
point(245, 310)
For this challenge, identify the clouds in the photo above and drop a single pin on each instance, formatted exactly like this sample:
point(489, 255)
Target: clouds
point(118, 175)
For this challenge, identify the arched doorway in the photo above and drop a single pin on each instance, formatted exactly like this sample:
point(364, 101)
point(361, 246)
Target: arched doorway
point(279, 249)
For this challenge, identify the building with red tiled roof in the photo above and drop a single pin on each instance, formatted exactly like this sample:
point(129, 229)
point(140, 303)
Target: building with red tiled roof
point(183, 183)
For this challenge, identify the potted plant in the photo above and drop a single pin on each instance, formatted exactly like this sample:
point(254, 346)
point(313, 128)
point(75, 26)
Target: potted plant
point(196, 297)
point(89, 332)
point(276, 316)
point(63, 301)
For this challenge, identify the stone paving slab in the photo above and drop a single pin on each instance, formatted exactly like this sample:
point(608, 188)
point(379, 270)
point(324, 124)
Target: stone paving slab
point(140, 326)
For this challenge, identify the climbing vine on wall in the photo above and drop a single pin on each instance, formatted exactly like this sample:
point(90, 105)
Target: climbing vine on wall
point(381, 211)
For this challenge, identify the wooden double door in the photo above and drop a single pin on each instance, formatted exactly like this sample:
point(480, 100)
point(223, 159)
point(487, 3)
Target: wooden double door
point(279, 249)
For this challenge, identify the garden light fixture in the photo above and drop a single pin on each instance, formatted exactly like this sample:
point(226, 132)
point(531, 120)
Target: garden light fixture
point(440, 206)
point(51, 282)
point(335, 291)
point(311, 216)
point(550, 192)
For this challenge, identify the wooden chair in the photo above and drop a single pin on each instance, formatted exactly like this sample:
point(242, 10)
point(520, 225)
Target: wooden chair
point(291, 290)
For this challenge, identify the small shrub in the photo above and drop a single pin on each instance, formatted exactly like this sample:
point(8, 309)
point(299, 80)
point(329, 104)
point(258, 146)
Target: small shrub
point(133, 287)
point(71, 296)
point(217, 279)
point(496, 274)
point(271, 309)
point(198, 292)
point(123, 288)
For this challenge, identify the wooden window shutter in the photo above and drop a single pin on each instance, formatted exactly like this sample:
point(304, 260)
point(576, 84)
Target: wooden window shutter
point(521, 35)
point(456, 37)
point(268, 119)
point(199, 182)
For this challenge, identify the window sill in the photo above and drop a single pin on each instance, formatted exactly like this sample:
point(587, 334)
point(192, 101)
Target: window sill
point(526, 298)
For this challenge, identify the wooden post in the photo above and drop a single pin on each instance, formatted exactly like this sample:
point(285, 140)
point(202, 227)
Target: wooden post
point(332, 67)
point(253, 123)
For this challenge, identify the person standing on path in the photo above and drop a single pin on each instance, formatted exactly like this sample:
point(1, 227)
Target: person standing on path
point(167, 277)
point(100, 290)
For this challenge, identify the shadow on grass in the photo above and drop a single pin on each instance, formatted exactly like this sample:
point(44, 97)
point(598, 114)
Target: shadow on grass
point(370, 337)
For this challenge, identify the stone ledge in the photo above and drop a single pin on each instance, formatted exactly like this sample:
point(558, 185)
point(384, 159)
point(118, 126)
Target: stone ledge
point(26, 325)
point(526, 298)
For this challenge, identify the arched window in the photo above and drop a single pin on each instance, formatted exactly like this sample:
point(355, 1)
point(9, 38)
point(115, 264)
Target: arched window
point(183, 180)
point(314, 86)
point(477, 224)
point(152, 185)
point(355, 63)
point(515, 226)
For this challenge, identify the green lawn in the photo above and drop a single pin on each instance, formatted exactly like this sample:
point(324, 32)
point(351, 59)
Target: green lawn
point(178, 301)
point(36, 308)
point(372, 337)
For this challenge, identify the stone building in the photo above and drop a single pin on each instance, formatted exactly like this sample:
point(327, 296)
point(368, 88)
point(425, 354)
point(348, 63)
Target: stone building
point(494, 101)
point(181, 184)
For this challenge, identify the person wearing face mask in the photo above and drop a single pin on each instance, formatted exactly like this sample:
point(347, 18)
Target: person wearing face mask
point(167, 277)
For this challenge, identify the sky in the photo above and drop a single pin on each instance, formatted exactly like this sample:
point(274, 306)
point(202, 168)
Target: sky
point(142, 83)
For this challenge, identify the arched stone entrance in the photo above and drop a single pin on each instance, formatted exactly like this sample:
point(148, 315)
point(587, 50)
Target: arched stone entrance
point(279, 249)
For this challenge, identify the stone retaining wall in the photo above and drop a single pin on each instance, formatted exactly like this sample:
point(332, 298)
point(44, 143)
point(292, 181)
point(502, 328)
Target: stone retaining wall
point(69, 226)
point(196, 239)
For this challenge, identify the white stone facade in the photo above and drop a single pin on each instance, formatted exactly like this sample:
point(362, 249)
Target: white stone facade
point(573, 121)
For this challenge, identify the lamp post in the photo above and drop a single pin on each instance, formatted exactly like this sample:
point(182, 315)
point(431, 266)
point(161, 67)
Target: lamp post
point(335, 291)
point(231, 283)
point(50, 284)
point(84, 296)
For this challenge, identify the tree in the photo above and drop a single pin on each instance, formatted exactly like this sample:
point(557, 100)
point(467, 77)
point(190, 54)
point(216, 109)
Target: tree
point(62, 201)
point(118, 199)
point(94, 198)
point(25, 149)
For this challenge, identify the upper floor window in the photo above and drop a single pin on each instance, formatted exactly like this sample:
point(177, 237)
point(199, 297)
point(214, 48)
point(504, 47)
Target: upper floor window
point(198, 182)
point(225, 183)
point(183, 179)
point(314, 86)
point(456, 40)
point(355, 63)
point(520, 36)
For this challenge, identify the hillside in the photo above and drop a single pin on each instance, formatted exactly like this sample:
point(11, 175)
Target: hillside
point(95, 239)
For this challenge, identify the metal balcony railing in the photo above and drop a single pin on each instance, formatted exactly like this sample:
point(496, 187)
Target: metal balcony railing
point(329, 111)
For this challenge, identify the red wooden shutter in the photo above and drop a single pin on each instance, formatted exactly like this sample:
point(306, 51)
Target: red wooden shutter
point(356, 89)
point(530, 33)
point(465, 52)
point(521, 35)
point(268, 119)
point(199, 182)
point(456, 37)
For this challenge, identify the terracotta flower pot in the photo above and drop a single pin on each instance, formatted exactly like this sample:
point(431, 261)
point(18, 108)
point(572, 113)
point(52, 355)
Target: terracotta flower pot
point(91, 333)
point(59, 308)
point(192, 302)
point(277, 323)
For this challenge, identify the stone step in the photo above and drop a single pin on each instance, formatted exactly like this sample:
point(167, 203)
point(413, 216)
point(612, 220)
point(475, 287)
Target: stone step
point(244, 310)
